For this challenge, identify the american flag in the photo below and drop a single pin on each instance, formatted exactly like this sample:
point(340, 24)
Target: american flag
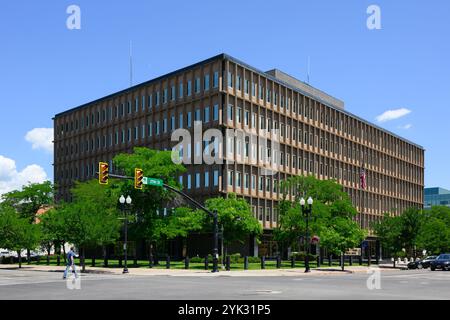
point(363, 178)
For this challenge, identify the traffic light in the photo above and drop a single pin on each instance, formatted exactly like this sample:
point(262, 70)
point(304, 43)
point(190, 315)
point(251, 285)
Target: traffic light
point(138, 177)
point(103, 173)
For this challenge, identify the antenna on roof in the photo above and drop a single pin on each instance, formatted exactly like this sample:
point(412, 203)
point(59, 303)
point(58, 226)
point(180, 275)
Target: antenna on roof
point(309, 69)
point(131, 64)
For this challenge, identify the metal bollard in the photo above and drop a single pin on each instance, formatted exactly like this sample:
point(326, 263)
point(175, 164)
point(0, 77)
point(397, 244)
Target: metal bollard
point(292, 262)
point(330, 260)
point(93, 262)
point(245, 263)
point(360, 260)
point(318, 262)
point(186, 262)
point(263, 262)
point(48, 260)
point(58, 260)
point(278, 262)
point(227, 263)
point(168, 262)
point(350, 260)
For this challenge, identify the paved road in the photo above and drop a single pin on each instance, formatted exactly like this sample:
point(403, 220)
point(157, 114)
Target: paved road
point(423, 284)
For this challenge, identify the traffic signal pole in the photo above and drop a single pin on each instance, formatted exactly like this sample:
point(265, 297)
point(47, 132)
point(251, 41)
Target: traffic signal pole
point(212, 214)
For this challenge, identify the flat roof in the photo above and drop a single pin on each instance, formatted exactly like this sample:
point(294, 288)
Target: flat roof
point(247, 66)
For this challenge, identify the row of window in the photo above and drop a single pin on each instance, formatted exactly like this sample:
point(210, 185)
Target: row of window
point(153, 99)
point(324, 114)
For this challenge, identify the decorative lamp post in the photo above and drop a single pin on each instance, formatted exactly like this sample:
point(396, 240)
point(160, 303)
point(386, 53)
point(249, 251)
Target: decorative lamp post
point(306, 210)
point(122, 201)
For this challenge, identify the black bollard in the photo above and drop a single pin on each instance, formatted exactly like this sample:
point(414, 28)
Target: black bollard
point(278, 262)
point(227, 263)
point(168, 262)
point(38, 260)
point(360, 260)
point(135, 263)
point(93, 262)
point(342, 261)
point(263, 262)
point(330, 260)
point(58, 260)
point(368, 260)
point(245, 263)
point(350, 260)
point(186, 262)
point(292, 262)
point(48, 260)
point(318, 262)
point(206, 263)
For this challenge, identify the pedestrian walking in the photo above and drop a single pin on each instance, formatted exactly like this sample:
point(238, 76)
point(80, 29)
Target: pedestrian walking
point(70, 263)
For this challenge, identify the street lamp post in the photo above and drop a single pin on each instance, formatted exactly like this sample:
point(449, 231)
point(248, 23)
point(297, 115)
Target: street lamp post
point(216, 242)
point(122, 201)
point(307, 213)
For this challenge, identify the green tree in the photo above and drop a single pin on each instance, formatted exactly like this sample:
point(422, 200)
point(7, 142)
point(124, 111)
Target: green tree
point(389, 232)
point(411, 221)
point(147, 203)
point(16, 233)
point(236, 217)
point(91, 219)
point(434, 236)
point(29, 200)
point(332, 217)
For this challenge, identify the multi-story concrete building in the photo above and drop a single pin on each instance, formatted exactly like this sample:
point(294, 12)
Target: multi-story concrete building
point(316, 136)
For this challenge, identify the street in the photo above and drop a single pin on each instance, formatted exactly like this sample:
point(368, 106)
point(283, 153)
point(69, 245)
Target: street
point(394, 284)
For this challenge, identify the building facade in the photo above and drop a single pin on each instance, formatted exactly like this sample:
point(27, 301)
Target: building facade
point(313, 132)
point(436, 197)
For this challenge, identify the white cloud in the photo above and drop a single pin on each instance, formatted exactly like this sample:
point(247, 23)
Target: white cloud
point(406, 126)
point(11, 179)
point(41, 138)
point(393, 114)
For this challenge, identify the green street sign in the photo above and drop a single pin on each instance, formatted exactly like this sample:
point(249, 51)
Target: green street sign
point(152, 182)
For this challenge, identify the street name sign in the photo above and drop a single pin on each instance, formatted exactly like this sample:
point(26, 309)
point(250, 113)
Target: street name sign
point(152, 182)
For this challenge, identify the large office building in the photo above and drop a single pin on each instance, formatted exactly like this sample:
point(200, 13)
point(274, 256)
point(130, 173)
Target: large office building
point(314, 135)
point(436, 197)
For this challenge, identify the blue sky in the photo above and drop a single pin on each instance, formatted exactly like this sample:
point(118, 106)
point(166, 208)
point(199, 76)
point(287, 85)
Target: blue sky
point(47, 68)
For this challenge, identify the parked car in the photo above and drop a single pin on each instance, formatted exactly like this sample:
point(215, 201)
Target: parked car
point(4, 253)
point(423, 263)
point(441, 262)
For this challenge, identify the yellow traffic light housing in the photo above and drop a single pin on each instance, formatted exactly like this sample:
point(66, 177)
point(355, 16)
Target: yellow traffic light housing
point(138, 177)
point(103, 173)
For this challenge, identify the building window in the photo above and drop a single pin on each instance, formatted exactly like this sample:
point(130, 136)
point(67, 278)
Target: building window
point(246, 182)
point(189, 88)
point(216, 112)
point(216, 79)
point(189, 119)
point(206, 82)
point(189, 181)
point(165, 93)
point(206, 115)
point(230, 177)
point(180, 120)
point(197, 85)
point(206, 183)
point(230, 79)
point(238, 179)
point(197, 180)
point(197, 115)
point(216, 178)
point(230, 112)
point(180, 93)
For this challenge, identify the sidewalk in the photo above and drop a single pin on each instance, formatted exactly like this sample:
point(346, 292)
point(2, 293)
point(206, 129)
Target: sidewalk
point(202, 273)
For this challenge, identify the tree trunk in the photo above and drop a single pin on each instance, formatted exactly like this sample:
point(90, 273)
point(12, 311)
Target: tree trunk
point(83, 266)
point(48, 255)
point(28, 256)
point(20, 259)
point(105, 257)
point(64, 253)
